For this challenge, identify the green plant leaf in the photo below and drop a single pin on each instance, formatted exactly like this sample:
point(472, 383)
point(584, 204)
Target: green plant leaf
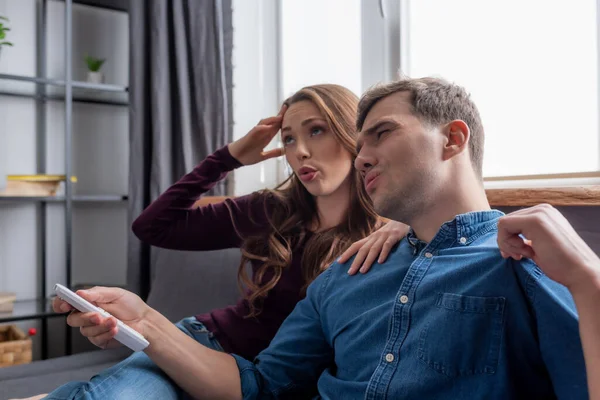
point(4, 18)
point(94, 64)
point(6, 44)
point(2, 35)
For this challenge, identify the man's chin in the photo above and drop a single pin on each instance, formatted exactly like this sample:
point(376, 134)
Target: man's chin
point(383, 207)
point(379, 204)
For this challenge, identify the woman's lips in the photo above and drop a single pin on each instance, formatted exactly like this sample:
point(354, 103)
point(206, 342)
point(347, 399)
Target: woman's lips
point(308, 176)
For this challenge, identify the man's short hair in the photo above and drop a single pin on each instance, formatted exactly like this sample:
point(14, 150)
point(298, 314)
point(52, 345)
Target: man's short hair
point(435, 102)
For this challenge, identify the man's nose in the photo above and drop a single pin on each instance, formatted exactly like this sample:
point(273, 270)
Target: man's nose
point(364, 161)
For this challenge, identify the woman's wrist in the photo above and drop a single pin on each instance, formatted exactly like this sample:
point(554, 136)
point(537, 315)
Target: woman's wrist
point(588, 288)
point(233, 151)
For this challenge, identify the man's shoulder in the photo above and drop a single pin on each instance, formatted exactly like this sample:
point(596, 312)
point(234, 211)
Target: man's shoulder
point(531, 276)
point(400, 255)
point(541, 288)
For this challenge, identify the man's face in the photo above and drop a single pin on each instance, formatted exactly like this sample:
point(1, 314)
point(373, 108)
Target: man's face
point(399, 158)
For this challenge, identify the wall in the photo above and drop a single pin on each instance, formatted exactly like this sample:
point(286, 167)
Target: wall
point(99, 158)
point(280, 46)
point(256, 93)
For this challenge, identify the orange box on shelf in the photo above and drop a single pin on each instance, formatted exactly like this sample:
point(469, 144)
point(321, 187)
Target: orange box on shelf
point(33, 185)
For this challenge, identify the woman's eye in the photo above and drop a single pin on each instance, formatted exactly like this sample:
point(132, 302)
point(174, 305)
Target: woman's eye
point(288, 140)
point(316, 131)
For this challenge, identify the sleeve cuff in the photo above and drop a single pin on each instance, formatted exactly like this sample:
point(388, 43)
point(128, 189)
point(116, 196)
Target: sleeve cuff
point(249, 378)
point(226, 158)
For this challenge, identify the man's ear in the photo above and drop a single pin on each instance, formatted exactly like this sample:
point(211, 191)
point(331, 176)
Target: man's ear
point(457, 135)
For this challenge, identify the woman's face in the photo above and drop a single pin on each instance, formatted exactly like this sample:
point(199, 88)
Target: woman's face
point(317, 158)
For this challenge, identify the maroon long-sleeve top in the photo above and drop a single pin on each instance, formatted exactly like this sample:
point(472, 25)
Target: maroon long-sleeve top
point(170, 222)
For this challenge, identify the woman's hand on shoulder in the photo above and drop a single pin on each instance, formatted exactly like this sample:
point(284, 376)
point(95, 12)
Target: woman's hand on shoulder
point(375, 246)
point(250, 149)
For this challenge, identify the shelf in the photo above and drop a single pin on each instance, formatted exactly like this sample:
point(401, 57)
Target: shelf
point(108, 198)
point(58, 199)
point(77, 98)
point(115, 5)
point(105, 87)
point(32, 79)
point(29, 309)
point(54, 89)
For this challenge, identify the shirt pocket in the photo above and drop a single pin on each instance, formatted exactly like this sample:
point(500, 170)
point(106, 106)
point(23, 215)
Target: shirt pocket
point(463, 335)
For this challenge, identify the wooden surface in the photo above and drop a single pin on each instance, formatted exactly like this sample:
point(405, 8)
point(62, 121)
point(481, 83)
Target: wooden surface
point(556, 196)
point(569, 175)
point(203, 201)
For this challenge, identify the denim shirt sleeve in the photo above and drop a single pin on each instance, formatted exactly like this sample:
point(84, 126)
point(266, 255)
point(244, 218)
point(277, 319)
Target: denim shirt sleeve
point(557, 324)
point(297, 355)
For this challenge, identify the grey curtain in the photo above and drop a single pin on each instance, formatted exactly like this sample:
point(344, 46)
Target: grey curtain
point(181, 106)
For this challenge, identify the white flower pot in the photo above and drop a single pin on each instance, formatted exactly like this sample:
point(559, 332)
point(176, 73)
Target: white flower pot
point(95, 77)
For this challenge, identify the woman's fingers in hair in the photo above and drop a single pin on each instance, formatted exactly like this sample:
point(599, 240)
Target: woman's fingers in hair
point(271, 120)
point(282, 110)
point(276, 119)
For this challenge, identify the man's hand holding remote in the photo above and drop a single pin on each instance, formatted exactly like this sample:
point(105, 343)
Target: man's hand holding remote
point(100, 330)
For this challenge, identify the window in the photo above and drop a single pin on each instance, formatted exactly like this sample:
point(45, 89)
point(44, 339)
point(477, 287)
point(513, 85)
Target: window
point(320, 43)
point(530, 66)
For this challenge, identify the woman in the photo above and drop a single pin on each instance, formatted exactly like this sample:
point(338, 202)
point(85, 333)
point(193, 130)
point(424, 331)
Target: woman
point(289, 235)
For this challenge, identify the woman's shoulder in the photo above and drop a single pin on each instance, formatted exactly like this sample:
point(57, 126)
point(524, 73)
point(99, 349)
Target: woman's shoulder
point(264, 200)
point(256, 208)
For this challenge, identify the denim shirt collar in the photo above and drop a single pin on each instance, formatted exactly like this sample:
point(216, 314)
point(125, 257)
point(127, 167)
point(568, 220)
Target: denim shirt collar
point(465, 228)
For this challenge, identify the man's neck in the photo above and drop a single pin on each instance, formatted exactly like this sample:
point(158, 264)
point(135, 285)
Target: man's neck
point(459, 199)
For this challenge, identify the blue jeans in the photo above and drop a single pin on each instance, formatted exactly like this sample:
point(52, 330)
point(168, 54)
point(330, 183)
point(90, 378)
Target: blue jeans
point(136, 377)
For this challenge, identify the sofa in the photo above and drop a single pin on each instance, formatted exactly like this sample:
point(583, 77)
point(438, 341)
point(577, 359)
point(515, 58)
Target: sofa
point(179, 289)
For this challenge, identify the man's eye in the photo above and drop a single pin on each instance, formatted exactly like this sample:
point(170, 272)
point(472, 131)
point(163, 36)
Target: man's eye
point(382, 132)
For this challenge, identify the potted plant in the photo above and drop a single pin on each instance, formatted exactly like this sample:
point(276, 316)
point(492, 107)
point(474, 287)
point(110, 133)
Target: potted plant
point(3, 30)
point(94, 64)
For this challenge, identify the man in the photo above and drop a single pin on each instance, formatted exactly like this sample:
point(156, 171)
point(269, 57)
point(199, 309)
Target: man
point(461, 314)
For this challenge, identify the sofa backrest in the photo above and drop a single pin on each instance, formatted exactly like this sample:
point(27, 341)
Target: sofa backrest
point(190, 283)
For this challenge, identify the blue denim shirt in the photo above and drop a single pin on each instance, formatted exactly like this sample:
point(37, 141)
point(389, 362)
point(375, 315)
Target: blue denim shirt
point(449, 319)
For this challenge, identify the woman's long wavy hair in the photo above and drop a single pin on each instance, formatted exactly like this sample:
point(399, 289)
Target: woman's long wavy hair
point(291, 209)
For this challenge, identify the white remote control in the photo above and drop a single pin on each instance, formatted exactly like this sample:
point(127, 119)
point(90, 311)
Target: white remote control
point(126, 335)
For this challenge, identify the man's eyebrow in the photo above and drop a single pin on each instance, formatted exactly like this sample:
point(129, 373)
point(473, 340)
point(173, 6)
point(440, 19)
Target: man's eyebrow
point(304, 123)
point(379, 124)
point(373, 129)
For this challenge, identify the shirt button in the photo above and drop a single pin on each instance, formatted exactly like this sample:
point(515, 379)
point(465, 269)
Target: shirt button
point(404, 299)
point(463, 240)
point(389, 357)
point(428, 255)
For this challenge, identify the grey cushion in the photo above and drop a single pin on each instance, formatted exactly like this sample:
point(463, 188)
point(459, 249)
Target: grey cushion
point(190, 283)
point(33, 385)
point(44, 376)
